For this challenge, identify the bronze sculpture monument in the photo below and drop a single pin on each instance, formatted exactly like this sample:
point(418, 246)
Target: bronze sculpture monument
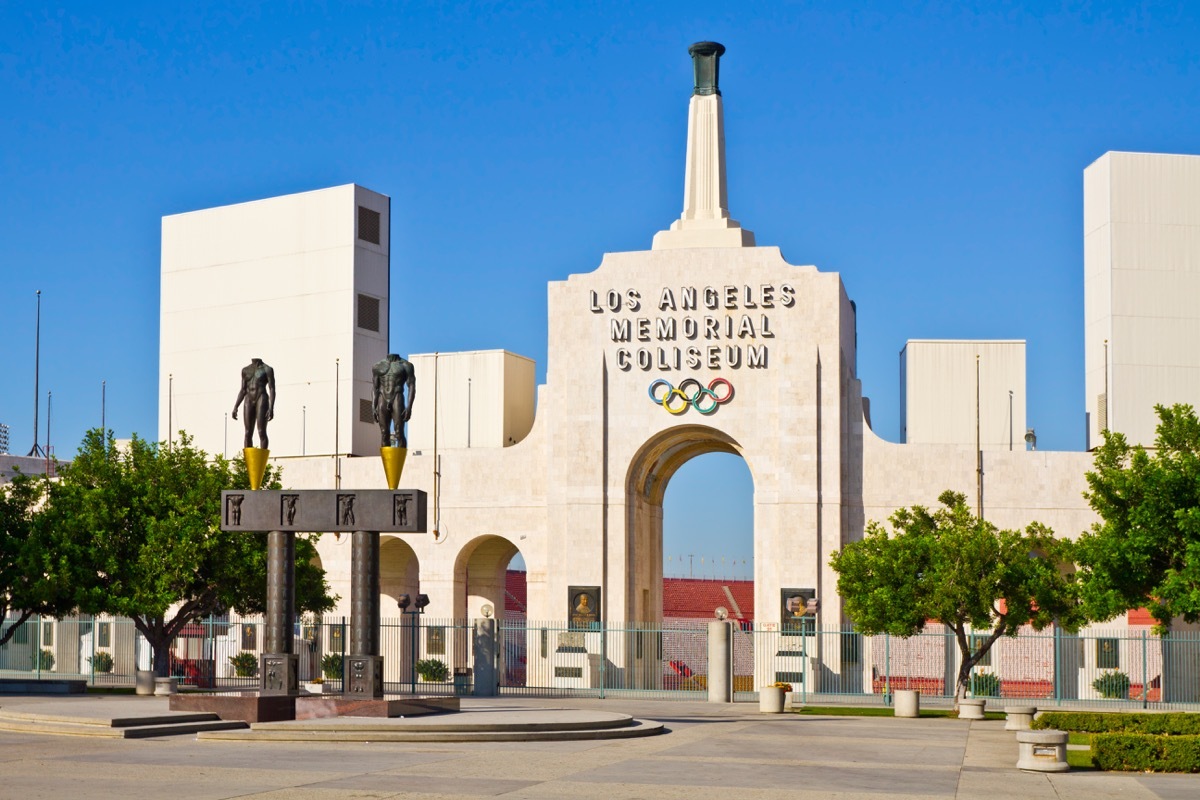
point(389, 379)
point(258, 391)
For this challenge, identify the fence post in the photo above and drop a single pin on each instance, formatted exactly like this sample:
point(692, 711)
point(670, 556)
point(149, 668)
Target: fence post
point(37, 656)
point(1145, 677)
point(604, 656)
point(1057, 665)
point(887, 669)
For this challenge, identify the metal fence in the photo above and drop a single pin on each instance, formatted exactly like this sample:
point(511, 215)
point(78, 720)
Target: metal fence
point(1129, 667)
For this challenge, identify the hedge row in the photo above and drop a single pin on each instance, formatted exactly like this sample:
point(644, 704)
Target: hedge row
point(1095, 722)
point(1140, 752)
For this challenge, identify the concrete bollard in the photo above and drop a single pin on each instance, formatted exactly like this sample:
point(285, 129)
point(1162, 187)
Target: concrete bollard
point(144, 682)
point(907, 703)
point(1042, 751)
point(484, 658)
point(971, 708)
point(720, 662)
point(1019, 718)
point(166, 686)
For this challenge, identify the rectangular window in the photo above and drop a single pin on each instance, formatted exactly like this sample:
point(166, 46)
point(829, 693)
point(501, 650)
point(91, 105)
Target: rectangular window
point(47, 634)
point(851, 648)
point(104, 634)
point(366, 412)
point(1108, 656)
point(368, 313)
point(21, 636)
point(368, 225)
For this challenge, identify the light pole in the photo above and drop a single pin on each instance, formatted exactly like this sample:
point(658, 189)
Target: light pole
point(414, 627)
point(36, 450)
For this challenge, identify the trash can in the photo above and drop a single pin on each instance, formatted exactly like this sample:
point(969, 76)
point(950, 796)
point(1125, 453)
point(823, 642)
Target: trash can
point(462, 681)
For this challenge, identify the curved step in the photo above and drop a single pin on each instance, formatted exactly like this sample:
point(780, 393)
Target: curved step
point(267, 733)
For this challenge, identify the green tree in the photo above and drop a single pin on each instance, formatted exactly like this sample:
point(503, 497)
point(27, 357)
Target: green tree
point(1145, 551)
point(951, 567)
point(32, 580)
point(140, 528)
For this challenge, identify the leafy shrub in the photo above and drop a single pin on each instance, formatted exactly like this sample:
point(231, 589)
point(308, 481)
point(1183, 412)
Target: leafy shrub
point(1140, 752)
point(985, 684)
point(45, 660)
point(245, 664)
point(1098, 722)
point(1112, 685)
point(432, 670)
point(101, 661)
point(331, 665)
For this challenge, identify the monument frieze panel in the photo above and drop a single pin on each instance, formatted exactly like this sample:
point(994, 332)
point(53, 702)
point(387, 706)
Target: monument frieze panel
point(382, 510)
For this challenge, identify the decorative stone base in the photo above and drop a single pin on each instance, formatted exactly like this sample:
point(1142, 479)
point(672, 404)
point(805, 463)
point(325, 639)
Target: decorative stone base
point(1019, 718)
point(971, 709)
point(279, 674)
point(364, 677)
point(907, 703)
point(245, 707)
point(314, 707)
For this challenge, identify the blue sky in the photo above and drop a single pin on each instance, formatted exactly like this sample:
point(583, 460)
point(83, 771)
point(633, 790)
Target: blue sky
point(931, 153)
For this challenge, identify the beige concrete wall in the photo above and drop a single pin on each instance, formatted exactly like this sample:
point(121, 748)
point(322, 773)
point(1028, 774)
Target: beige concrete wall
point(938, 393)
point(1142, 273)
point(484, 398)
point(276, 279)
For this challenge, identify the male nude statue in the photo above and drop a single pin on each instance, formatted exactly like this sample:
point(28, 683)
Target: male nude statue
point(388, 379)
point(258, 390)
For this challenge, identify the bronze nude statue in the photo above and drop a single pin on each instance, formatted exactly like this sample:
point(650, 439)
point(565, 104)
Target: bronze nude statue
point(258, 391)
point(389, 378)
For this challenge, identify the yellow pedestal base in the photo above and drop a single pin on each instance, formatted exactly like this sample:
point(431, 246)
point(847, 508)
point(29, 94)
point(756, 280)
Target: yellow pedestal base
point(393, 464)
point(256, 464)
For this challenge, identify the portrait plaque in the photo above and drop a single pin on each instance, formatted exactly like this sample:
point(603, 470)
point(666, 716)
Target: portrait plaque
point(435, 640)
point(249, 636)
point(583, 607)
point(798, 611)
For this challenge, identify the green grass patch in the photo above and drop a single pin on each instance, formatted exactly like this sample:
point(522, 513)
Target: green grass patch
point(1079, 738)
point(1080, 759)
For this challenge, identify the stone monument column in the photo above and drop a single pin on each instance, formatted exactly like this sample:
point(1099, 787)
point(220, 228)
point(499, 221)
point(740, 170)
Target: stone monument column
point(364, 666)
point(279, 664)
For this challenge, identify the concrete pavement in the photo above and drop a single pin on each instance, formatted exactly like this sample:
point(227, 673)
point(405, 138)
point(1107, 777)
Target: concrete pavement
point(712, 751)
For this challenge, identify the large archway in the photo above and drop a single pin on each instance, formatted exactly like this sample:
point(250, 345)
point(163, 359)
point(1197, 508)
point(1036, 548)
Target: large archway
point(649, 474)
point(481, 575)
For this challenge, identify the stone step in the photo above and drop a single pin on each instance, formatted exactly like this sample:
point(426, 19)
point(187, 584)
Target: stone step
point(106, 722)
point(266, 733)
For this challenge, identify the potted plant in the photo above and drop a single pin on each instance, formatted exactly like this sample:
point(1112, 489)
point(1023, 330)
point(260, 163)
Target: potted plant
point(770, 698)
point(245, 664)
point(331, 669)
point(45, 660)
point(1112, 685)
point(101, 662)
point(432, 670)
point(316, 685)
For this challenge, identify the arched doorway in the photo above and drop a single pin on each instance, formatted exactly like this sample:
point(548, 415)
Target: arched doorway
point(481, 576)
point(399, 574)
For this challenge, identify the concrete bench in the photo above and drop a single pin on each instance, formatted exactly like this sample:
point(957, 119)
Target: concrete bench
point(1019, 718)
point(1042, 751)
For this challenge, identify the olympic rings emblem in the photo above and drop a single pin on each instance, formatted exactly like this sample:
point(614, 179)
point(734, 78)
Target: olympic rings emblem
point(703, 399)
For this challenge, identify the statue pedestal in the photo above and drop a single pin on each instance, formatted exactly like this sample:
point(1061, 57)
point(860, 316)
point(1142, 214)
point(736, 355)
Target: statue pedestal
point(364, 677)
point(279, 674)
point(393, 464)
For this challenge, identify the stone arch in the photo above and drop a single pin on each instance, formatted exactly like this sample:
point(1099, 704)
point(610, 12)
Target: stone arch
point(650, 470)
point(480, 574)
point(399, 573)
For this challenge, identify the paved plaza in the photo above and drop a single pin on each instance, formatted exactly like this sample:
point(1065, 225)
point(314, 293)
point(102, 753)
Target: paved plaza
point(711, 751)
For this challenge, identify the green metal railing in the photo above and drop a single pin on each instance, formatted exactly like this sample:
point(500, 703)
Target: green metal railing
point(1122, 668)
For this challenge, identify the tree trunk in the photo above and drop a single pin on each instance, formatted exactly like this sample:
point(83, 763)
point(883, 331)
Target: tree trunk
point(162, 657)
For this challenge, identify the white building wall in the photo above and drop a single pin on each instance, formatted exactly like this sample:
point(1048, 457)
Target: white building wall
point(277, 279)
point(1142, 276)
point(484, 398)
point(938, 394)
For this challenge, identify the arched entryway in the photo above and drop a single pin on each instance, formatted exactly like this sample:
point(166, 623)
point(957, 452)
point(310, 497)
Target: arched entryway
point(481, 576)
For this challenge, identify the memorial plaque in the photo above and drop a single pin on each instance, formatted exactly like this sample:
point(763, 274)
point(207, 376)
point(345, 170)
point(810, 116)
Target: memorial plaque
point(583, 607)
point(568, 672)
point(571, 643)
point(249, 636)
point(318, 510)
point(435, 640)
point(798, 611)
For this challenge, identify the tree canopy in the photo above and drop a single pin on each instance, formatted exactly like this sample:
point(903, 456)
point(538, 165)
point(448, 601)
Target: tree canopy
point(32, 577)
point(1145, 551)
point(140, 528)
point(951, 567)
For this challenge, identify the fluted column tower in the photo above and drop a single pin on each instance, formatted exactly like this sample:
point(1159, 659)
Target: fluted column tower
point(705, 220)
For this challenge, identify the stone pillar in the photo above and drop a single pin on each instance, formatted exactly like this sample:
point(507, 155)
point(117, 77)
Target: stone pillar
point(484, 651)
point(364, 666)
point(278, 669)
point(720, 662)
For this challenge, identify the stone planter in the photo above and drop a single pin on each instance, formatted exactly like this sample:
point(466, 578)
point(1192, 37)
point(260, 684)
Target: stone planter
point(971, 708)
point(314, 688)
point(1019, 718)
point(907, 703)
point(770, 700)
point(1042, 751)
point(144, 682)
point(166, 686)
